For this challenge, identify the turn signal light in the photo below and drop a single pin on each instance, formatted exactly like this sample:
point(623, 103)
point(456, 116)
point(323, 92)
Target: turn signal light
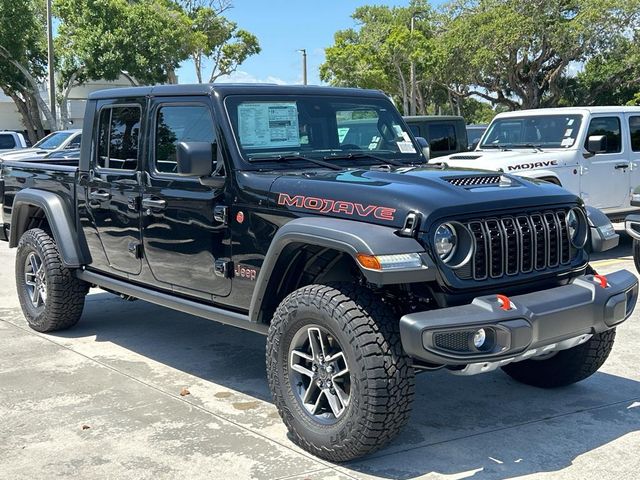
point(389, 262)
point(369, 261)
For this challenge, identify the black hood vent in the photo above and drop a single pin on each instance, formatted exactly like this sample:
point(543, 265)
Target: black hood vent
point(475, 180)
point(465, 157)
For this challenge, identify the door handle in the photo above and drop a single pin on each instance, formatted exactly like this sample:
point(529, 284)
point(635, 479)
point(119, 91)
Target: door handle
point(621, 166)
point(154, 204)
point(101, 196)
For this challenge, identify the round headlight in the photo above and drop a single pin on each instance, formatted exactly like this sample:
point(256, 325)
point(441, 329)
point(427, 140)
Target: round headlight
point(445, 240)
point(577, 226)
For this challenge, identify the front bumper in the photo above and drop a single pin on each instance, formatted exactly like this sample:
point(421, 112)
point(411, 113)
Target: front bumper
point(535, 321)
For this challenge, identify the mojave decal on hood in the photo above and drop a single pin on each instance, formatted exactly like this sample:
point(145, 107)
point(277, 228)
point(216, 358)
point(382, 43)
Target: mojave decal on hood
point(512, 161)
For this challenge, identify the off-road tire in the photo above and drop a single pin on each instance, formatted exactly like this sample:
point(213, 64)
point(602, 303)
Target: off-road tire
point(383, 379)
point(636, 254)
point(567, 366)
point(65, 293)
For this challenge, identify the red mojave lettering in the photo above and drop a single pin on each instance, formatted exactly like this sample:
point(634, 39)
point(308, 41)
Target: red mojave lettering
point(325, 205)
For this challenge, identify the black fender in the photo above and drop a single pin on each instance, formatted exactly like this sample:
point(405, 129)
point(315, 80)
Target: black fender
point(345, 236)
point(60, 220)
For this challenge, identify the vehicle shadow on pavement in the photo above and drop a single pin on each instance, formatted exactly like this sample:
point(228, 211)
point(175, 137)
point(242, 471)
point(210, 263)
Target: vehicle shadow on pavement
point(486, 426)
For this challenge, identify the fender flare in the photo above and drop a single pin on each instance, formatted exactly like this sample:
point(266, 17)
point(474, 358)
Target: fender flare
point(60, 220)
point(539, 174)
point(346, 236)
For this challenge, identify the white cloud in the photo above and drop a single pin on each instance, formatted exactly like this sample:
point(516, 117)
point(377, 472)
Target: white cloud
point(240, 76)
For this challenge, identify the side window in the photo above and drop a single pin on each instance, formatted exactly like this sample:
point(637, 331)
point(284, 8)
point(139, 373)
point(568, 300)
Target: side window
point(118, 137)
point(442, 138)
point(180, 123)
point(634, 128)
point(609, 127)
point(75, 143)
point(7, 141)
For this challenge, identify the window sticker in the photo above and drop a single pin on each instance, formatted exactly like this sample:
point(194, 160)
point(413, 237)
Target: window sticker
point(570, 122)
point(406, 147)
point(566, 142)
point(268, 124)
point(342, 132)
point(568, 132)
point(406, 136)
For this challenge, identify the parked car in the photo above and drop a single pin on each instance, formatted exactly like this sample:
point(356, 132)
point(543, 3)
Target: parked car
point(593, 152)
point(446, 134)
point(61, 157)
point(11, 141)
point(55, 141)
point(474, 134)
point(240, 204)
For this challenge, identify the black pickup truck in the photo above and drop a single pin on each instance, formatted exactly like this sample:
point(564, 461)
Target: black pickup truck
point(363, 264)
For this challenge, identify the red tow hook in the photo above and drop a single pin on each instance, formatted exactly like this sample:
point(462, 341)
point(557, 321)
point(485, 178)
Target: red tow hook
point(504, 301)
point(602, 280)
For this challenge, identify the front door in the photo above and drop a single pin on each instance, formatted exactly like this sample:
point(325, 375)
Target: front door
point(186, 239)
point(112, 190)
point(605, 177)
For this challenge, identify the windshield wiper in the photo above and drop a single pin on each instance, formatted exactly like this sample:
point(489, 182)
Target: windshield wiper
point(285, 158)
point(349, 156)
point(501, 146)
point(528, 145)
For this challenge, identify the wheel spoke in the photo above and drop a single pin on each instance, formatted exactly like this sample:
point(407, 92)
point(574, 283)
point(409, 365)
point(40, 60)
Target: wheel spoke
point(336, 356)
point(340, 373)
point(35, 296)
point(300, 369)
point(34, 264)
point(342, 395)
point(335, 403)
point(315, 342)
point(313, 407)
point(303, 355)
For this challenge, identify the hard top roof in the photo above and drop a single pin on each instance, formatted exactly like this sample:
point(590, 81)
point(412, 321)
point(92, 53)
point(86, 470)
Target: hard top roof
point(224, 89)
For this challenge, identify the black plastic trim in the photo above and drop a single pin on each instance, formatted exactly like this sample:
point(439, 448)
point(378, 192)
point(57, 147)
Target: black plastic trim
point(191, 307)
point(60, 220)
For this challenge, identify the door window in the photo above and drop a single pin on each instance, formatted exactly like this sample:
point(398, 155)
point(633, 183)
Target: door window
point(634, 128)
point(442, 138)
point(609, 127)
point(118, 137)
point(180, 123)
point(75, 143)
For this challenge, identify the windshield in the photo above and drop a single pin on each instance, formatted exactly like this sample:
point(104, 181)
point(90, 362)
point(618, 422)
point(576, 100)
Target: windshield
point(53, 140)
point(550, 131)
point(319, 126)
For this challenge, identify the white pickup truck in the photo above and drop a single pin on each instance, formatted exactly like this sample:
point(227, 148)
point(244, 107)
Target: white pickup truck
point(591, 151)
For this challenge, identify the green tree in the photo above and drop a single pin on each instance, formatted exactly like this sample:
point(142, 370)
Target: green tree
point(516, 53)
point(385, 51)
point(23, 61)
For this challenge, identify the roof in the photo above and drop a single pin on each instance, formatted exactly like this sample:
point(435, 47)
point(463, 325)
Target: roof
point(431, 118)
point(571, 111)
point(224, 89)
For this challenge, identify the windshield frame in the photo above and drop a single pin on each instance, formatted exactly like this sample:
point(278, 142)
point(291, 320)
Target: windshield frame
point(482, 145)
point(232, 101)
point(66, 135)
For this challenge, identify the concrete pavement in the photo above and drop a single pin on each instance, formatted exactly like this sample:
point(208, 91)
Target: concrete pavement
point(103, 401)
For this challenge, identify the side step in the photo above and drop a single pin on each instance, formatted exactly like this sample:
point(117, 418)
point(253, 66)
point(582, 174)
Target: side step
point(176, 303)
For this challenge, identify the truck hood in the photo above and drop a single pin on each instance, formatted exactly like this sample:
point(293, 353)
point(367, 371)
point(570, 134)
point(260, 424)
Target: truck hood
point(23, 153)
point(386, 196)
point(511, 161)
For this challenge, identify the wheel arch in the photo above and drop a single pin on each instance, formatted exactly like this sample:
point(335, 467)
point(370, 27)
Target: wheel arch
point(31, 205)
point(327, 249)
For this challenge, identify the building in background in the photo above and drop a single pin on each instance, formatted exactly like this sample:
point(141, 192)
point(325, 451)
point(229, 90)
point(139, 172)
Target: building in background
point(10, 119)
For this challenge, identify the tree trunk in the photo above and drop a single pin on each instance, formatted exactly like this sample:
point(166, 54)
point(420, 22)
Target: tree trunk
point(21, 105)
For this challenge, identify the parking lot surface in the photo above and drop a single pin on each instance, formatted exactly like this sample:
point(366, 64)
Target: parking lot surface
point(103, 400)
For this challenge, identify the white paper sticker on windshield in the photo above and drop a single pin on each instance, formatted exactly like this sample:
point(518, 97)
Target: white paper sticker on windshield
point(406, 147)
point(568, 132)
point(268, 124)
point(406, 136)
point(570, 122)
point(566, 142)
point(342, 132)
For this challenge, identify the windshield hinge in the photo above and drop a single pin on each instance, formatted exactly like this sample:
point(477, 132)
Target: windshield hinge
point(221, 214)
point(411, 225)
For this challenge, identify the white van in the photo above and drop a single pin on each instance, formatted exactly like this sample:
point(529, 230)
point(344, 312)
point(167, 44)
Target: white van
point(591, 151)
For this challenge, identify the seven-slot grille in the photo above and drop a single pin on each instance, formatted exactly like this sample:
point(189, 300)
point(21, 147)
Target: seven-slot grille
point(517, 244)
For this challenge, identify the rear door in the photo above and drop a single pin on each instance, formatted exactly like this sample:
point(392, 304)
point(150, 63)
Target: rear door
point(113, 191)
point(186, 238)
point(633, 122)
point(606, 177)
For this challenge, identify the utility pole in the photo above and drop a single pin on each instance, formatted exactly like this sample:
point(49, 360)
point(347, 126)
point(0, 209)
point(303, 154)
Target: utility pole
point(412, 77)
point(52, 80)
point(304, 65)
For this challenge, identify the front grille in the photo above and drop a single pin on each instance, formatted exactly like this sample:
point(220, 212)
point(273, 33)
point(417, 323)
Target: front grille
point(512, 245)
point(475, 180)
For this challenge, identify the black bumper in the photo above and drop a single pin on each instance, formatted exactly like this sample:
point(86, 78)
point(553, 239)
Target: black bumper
point(535, 320)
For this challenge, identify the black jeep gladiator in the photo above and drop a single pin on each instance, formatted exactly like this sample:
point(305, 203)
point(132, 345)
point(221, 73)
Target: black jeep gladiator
point(363, 264)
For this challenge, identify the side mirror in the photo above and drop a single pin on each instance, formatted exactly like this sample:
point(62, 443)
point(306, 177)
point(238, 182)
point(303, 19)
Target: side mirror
point(597, 144)
point(195, 159)
point(426, 150)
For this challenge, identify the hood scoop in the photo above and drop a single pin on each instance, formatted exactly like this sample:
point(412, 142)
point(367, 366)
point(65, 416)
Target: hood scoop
point(465, 157)
point(471, 181)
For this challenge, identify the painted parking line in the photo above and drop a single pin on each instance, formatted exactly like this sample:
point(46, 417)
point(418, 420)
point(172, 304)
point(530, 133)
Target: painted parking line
point(604, 263)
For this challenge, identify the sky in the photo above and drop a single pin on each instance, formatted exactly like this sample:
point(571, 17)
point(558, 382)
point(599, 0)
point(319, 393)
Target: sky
point(282, 27)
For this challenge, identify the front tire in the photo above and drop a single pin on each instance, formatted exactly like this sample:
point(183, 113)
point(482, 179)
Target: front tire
point(51, 297)
point(337, 372)
point(567, 366)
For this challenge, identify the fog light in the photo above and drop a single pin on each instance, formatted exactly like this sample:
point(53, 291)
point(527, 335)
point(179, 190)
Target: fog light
point(479, 338)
